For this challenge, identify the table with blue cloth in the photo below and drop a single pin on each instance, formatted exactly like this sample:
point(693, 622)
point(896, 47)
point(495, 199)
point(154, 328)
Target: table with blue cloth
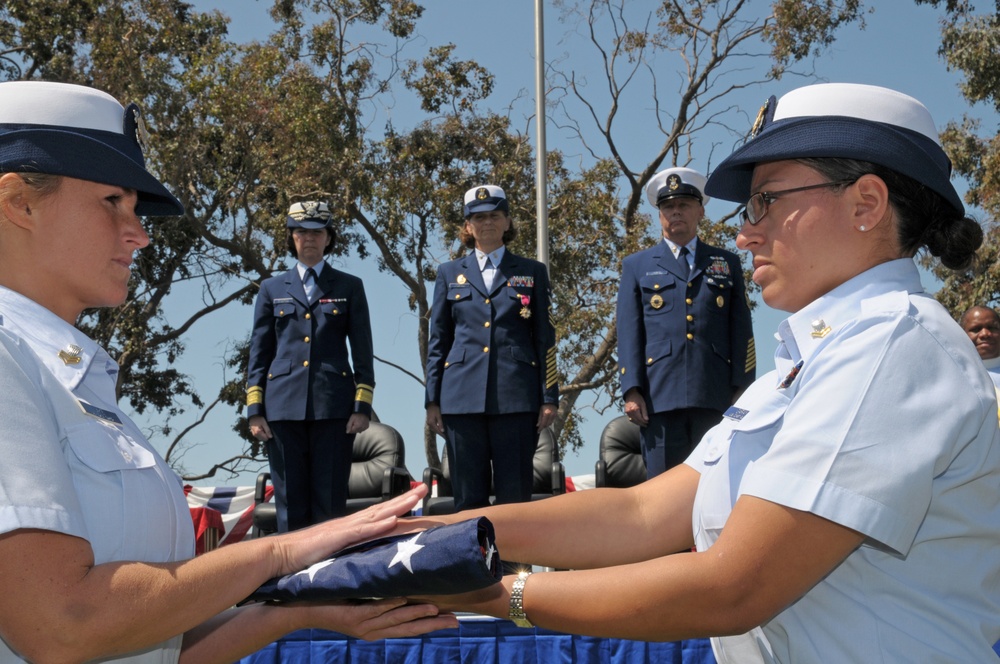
point(479, 641)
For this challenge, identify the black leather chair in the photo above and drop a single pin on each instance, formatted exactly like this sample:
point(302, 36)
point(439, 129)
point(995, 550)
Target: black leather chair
point(620, 463)
point(378, 472)
point(550, 477)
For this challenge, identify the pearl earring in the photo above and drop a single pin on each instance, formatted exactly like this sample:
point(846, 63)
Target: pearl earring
point(862, 229)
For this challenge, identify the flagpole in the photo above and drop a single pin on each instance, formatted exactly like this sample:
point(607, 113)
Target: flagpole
point(541, 165)
point(541, 176)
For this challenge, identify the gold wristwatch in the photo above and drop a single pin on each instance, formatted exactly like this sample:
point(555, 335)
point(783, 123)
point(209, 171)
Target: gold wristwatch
point(516, 614)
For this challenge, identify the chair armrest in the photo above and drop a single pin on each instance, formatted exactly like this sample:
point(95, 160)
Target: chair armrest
point(558, 478)
point(395, 482)
point(600, 473)
point(431, 474)
point(260, 489)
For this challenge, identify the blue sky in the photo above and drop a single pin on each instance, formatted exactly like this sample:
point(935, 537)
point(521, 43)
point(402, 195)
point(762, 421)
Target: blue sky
point(898, 49)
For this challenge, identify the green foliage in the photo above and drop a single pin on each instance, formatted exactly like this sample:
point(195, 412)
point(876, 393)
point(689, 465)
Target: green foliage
point(440, 81)
point(801, 29)
point(969, 43)
point(239, 131)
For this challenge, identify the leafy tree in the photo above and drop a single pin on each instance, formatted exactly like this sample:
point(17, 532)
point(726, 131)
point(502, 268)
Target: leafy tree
point(969, 44)
point(594, 220)
point(240, 130)
point(699, 55)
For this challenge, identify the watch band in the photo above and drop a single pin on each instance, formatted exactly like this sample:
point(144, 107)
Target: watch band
point(516, 614)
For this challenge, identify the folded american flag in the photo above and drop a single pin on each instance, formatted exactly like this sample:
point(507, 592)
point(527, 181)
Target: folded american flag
point(456, 558)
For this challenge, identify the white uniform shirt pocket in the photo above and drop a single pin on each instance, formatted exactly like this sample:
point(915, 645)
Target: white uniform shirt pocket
point(125, 502)
point(728, 451)
point(105, 448)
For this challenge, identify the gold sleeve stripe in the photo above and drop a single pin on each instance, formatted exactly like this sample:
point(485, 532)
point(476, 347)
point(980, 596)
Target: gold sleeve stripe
point(255, 395)
point(751, 356)
point(364, 394)
point(551, 375)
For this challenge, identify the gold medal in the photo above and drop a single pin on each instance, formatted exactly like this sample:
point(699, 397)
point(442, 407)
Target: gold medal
point(525, 312)
point(460, 279)
point(656, 301)
point(720, 301)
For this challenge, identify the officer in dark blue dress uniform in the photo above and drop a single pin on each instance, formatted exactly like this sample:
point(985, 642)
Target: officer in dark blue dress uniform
point(491, 358)
point(685, 338)
point(304, 398)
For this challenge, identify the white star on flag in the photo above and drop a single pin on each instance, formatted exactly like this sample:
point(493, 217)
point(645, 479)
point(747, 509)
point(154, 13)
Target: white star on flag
point(405, 551)
point(490, 550)
point(312, 569)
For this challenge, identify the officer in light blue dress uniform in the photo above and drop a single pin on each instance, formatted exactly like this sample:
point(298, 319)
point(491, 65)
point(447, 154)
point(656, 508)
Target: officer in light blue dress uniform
point(97, 546)
point(491, 358)
point(685, 337)
point(879, 418)
point(71, 461)
point(305, 396)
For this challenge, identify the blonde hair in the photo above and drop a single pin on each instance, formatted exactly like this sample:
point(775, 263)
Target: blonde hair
point(43, 184)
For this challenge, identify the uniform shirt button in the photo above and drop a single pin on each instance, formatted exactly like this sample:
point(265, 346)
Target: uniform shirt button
point(306, 363)
point(689, 301)
point(446, 364)
point(649, 360)
point(306, 340)
point(343, 373)
point(486, 301)
point(656, 286)
point(486, 324)
point(690, 318)
point(270, 375)
point(689, 284)
point(486, 349)
point(690, 336)
point(308, 316)
point(458, 296)
point(281, 312)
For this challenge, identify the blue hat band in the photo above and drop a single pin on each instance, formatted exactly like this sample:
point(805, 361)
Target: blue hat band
point(682, 190)
point(308, 224)
point(85, 154)
point(486, 205)
point(907, 152)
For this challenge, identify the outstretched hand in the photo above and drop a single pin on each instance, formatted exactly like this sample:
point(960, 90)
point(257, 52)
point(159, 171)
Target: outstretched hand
point(493, 600)
point(377, 619)
point(299, 549)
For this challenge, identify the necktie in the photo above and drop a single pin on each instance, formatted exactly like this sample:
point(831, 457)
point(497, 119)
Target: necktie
point(310, 283)
point(682, 257)
point(488, 273)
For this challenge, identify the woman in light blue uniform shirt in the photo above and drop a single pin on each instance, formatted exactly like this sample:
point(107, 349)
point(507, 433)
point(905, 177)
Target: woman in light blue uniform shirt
point(96, 539)
point(847, 508)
